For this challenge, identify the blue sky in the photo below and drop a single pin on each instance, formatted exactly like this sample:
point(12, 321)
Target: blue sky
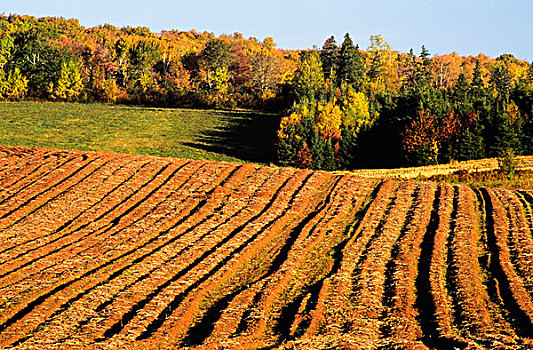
point(465, 26)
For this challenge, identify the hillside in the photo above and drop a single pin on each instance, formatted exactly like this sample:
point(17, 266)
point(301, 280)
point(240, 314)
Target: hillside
point(235, 136)
point(106, 250)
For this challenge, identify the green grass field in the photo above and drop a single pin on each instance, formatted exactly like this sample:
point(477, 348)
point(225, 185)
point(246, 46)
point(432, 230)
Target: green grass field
point(166, 132)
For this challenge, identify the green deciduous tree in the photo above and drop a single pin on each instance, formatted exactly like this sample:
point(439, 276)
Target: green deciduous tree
point(39, 59)
point(217, 55)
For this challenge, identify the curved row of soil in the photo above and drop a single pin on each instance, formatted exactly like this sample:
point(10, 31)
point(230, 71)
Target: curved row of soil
point(104, 250)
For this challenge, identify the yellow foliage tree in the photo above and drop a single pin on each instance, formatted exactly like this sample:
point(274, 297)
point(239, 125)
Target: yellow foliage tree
point(13, 85)
point(383, 66)
point(309, 78)
point(220, 80)
point(328, 119)
point(355, 110)
point(111, 90)
point(70, 83)
point(290, 121)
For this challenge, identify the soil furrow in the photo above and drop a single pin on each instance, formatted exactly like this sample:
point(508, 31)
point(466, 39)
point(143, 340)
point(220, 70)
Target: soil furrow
point(106, 267)
point(400, 319)
point(32, 245)
point(514, 296)
point(204, 327)
point(158, 321)
point(49, 192)
point(74, 239)
point(114, 281)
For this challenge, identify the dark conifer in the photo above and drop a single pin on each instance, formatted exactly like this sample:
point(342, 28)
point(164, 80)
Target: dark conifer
point(477, 80)
point(351, 65)
point(329, 56)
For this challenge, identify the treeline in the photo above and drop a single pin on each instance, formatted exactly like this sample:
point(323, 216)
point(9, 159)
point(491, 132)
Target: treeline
point(58, 59)
point(345, 107)
point(380, 108)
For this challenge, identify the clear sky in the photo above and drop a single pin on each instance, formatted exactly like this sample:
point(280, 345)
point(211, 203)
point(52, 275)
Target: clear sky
point(443, 26)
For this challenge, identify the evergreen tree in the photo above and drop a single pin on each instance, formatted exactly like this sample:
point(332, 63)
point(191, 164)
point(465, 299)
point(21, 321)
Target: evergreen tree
point(424, 54)
point(423, 72)
point(522, 95)
point(501, 81)
point(460, 90)
point(461, 100)
point(527, 136)
point(501, 134)
point(348, 147)
point(288, 147)
point(477, 89)
point(329, 56)
point(470, 145)
point(477, 80)
point(351, 65)
point(315, 143)
point(328, 156)
point(410, 69)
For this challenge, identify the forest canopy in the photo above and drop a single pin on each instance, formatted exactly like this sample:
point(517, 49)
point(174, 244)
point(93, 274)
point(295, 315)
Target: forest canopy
point(58, 59)
point(345, 107)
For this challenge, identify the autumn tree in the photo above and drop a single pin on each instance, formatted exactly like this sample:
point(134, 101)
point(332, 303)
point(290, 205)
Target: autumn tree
point(382, 72)
point(445, 70)
point(420, 140)
point(214, 62)
point(13, 85)
point(356, 117)
point(529, 74)
point(69, 85)
point(100, 78)
point(328, 119)
point(355, 110)
point(7, 44)
point(355, 107)
point(265, 71)
point(299, 143)
point(308, 80)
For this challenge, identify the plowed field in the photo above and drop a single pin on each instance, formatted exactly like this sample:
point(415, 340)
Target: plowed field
point(103, 250)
